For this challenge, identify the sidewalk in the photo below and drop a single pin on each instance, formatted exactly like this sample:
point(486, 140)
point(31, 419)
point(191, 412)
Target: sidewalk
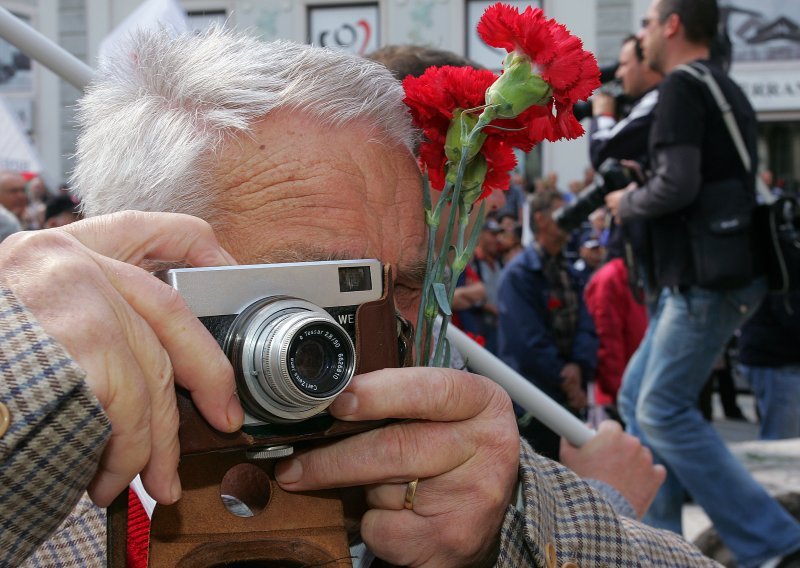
point(774, 464)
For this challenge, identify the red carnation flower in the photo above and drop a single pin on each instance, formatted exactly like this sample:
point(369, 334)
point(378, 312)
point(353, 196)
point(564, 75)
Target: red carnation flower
point(436, 96)
point(556, 55)
point(479, 339)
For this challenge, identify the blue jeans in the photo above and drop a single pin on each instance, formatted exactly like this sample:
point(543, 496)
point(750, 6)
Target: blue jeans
point(777, 391)
point(658, 401)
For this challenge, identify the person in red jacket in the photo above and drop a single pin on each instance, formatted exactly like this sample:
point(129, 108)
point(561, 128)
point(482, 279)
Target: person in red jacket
point(620, 322)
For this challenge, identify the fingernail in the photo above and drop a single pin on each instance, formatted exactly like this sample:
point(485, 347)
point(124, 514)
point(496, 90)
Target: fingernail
point(235, 414)
point(290, 471)
point(344, 405)
point(175, 490)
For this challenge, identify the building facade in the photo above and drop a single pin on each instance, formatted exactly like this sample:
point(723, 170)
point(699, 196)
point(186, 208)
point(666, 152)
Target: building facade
point(766, 48)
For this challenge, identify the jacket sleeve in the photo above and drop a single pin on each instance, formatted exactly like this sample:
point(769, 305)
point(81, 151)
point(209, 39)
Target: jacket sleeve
point(674, 185)
point(604, 302)
point(585, 344)
point(525, 343)
point(56, 434)
point(564, 520)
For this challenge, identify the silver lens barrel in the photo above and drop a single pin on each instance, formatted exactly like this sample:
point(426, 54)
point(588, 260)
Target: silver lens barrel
point(290, 357)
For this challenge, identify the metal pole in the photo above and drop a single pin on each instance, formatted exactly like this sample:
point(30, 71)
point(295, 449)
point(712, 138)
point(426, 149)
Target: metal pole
point(44, 50)
point(521, 391)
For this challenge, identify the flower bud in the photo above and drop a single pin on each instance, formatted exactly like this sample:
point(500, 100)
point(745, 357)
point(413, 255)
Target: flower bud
point(458, 137)
point(472, 182)
point(518, 88)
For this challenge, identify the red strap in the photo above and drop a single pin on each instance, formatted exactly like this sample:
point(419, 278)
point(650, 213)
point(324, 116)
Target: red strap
point(138, 533)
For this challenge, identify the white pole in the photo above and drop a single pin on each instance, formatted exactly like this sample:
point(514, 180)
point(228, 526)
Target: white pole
point(521, 391)
point(44, 50)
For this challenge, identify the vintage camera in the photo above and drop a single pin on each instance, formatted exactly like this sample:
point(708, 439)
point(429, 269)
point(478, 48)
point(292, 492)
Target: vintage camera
point(295, 334)
point(610, 176)
point(288, 329)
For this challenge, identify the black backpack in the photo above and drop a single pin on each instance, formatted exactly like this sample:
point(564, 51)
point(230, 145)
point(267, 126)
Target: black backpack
point(777, 226)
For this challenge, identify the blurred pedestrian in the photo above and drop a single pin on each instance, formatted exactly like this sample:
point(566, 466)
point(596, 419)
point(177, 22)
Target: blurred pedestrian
point(545, 332)
point(697, 173)
point(770, 360)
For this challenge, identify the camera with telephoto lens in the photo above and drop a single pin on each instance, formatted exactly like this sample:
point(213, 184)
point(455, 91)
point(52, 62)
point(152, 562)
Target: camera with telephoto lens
point(610, 86)
point(611, 175)
point(288, 329)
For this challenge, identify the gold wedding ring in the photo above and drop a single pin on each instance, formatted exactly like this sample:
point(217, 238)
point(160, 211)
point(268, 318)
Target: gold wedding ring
point(411, 490)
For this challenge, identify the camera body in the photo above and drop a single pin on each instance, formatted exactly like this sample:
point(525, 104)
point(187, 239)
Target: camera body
point(301, 329)
point(288, 329)
point(610, 176)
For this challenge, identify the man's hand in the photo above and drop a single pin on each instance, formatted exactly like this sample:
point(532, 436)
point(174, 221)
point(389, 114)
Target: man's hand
point(462, 444)
point(572, 385)
point(129, 332)
point(620, 460)
point(614, 198)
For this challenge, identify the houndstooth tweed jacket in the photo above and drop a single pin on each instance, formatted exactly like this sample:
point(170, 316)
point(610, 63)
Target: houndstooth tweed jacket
point(58, 430)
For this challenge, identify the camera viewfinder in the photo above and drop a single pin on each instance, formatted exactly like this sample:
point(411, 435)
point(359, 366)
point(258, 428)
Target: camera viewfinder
point(354, 279)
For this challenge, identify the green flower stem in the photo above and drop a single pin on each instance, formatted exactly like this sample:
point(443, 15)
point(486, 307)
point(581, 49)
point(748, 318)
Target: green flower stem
point(424, 325)
point(458, 269)
point(459, 209)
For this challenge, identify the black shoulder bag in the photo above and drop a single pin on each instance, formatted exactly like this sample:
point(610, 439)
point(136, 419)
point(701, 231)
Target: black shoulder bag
point(720, 221)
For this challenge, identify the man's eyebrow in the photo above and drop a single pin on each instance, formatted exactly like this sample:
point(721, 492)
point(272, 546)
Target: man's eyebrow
point(414, 273)
point(302, 253)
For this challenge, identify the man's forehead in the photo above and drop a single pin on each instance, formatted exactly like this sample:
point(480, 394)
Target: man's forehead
point(296, 191)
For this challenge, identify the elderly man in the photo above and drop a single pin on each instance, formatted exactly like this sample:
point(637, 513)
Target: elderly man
point(545, 332)
point(290, 153)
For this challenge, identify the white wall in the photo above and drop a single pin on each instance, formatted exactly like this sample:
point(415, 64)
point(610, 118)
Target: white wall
point(569, 158)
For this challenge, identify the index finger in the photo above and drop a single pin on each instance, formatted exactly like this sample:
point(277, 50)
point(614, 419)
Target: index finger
point(134, 236)
point(199, 364)
point(425, 393)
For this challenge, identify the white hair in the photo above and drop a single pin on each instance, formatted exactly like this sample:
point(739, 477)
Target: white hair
point(154, 120)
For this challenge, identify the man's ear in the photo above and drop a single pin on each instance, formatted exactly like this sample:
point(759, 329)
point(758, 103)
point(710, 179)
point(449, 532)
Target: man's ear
point(672, 25)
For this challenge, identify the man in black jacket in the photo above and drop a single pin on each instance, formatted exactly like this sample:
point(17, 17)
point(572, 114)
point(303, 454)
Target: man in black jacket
point(611, 136)
point(691, 153)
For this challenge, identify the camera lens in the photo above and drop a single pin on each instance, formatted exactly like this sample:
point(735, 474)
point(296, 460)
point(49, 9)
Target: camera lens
point(310, 360)
point(290, 357)
point(316, 359)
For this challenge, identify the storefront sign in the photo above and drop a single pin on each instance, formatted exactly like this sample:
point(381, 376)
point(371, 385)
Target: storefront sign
point(769, 90)
point(352, 28)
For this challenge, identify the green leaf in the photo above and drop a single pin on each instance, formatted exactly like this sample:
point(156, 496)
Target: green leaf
point(440, 293)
